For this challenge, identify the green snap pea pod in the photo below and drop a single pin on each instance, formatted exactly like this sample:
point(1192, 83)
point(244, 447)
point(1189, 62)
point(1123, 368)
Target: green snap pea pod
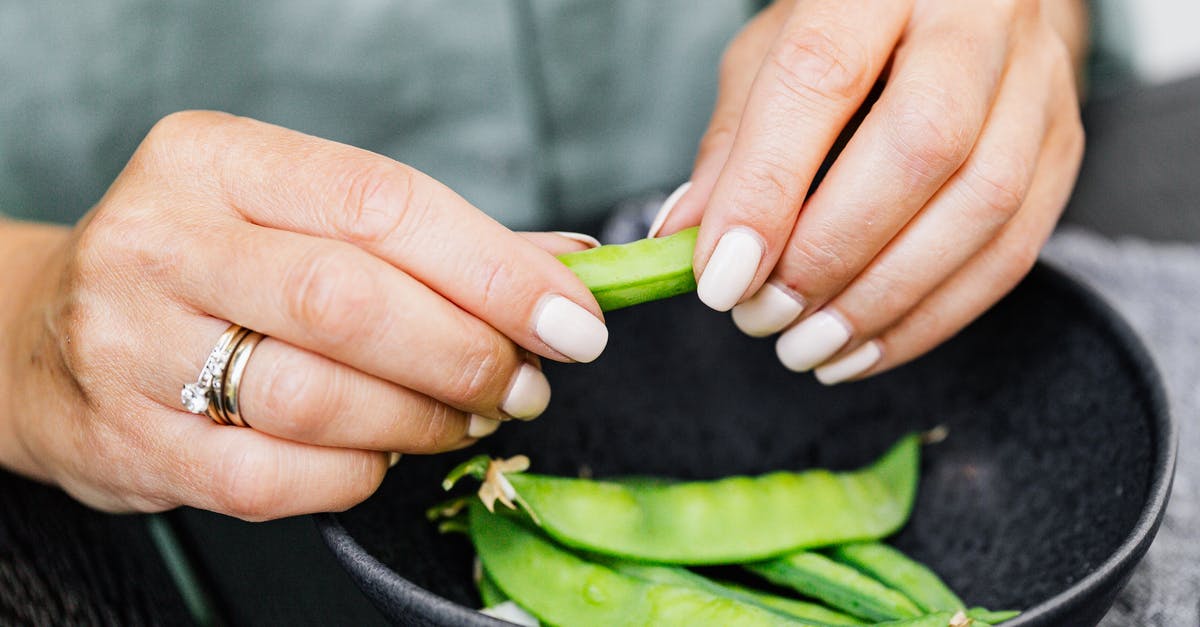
point(900, 572)
point(637, 272)
point(842, 587)
point(562, 588)
point(936, 619)
point(679, 576)
point(726, 521)
point(796, 607)
point(489, 592)
point(994, 617)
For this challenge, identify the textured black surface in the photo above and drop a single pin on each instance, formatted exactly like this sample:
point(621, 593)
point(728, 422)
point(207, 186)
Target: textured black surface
point(64, 564)
point(1058, 443)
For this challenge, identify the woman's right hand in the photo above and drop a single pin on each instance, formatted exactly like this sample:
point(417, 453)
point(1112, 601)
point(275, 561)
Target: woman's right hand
point(399, 319)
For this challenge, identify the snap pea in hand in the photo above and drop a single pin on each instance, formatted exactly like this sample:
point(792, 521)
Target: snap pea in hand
point(638, 272)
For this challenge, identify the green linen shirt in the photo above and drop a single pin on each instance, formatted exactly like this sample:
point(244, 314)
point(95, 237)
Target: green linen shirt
point(540, 112)
point(537, 111)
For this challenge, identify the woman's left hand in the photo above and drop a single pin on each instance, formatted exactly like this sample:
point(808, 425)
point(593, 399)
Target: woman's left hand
point(939, 202)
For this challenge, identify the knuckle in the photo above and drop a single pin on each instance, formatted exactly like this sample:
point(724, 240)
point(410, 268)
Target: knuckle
point(249, 485)
point(931, 129)
point(361, 490)
point(1021, 259)
point(180, 130)
point(484, 368)
point(921, 322)
point(494, 281)
point(884, 296)
point(997, 184)
point(133, 241)
point(437, 429)
point(817, 265)
point(730, 67)
point(299, 401)
point(718, 137)
point(770, 183)
point(362, 478)
point(821, 64)
point(376, 198)
point(329, 295)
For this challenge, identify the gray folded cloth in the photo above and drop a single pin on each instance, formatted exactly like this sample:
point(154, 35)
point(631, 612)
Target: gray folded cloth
point(1156, 288)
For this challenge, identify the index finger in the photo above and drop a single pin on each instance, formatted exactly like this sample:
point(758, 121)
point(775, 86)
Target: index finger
point(287, 180)
point(817, 74)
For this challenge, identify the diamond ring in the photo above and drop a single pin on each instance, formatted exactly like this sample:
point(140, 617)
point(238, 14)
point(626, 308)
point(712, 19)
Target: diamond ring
point(204, 396)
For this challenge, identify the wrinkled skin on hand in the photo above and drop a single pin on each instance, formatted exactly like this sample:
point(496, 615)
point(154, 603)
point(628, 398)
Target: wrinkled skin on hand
point(399, 319)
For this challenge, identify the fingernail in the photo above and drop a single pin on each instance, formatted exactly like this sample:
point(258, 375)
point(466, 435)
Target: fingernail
point(660, 218)
point(571, 329)
point(393, 459)
point(528, 395)
point(579, 237)
point(481, 426)
point(852, 365)
point(768, 311)
point(730, 269)
point(812, 341)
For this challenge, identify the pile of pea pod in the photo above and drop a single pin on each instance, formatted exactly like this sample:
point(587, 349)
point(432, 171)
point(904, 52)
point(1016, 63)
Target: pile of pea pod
point(571, 552)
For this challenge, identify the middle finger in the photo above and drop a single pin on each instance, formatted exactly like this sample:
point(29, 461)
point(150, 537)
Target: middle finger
point(919, 132)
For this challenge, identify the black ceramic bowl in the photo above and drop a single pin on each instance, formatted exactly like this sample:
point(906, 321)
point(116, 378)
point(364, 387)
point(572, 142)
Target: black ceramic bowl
point(1047, 492)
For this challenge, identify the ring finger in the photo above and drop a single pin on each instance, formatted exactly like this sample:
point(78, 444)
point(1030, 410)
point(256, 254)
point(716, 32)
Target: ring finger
point(301, 396)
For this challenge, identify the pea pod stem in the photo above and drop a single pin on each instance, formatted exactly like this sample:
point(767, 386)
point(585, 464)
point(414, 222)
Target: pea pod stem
point(638, 272)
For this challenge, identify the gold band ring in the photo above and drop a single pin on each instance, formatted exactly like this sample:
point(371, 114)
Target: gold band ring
point(233, 378)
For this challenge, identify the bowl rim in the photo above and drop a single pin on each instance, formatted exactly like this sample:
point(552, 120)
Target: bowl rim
point(385, 587)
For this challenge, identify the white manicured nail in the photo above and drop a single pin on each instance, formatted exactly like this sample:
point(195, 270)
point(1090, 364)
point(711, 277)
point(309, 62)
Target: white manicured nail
point(660, 218)
point(481, 426)
point(528, 395)
point(571, 329)
point(579, 237)
point(768, 311)
point(730, 269)
point(851, 365)
point(811, 342)
point(393, 459)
